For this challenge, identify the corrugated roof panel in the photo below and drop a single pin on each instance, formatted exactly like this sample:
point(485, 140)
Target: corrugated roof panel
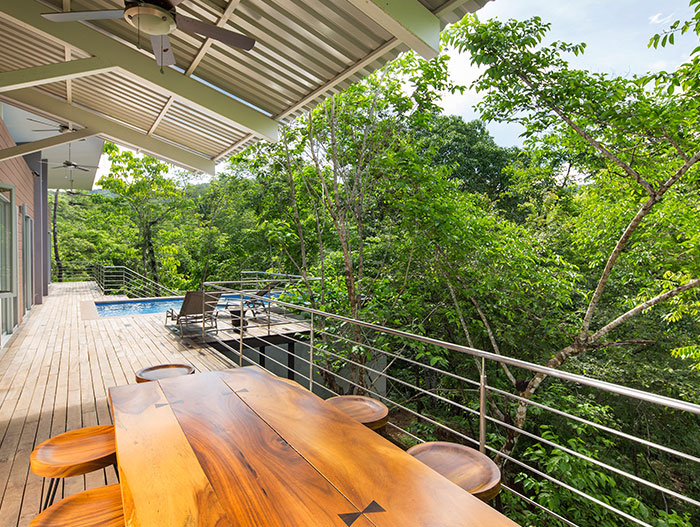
point(57, 88)
point(305, 51)
point(119, 97)
point(295, 39)
point(20, 48)
point(207, 134)
point(176, 126)
point(194, 146)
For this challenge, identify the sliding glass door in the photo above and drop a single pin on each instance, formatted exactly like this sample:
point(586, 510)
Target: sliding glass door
point(8, 261)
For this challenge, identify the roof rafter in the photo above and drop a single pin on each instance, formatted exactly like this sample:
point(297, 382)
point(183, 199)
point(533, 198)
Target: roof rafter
point(143, 69)
point(43, 144)
point(109, 129)
point(408, 20)
point(48, 73)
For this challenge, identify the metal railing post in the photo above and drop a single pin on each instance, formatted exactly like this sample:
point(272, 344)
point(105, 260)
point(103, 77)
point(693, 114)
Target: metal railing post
point(240, 331)
point(482, 407)
point(311, 355)
point(204, 308)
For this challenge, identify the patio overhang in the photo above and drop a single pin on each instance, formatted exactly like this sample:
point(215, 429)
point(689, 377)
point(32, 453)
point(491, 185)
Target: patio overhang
point(216, 99)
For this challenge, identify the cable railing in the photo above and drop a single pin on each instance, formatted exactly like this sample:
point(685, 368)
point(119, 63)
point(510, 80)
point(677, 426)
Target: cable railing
point(453, 398)
point(111, 279)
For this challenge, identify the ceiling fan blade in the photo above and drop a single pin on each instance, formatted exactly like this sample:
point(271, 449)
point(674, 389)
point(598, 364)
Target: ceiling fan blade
point(73, 16)
point(51, 130)
point(41, 122)
point(162, 50)
point(81, 168)
point(208, 30)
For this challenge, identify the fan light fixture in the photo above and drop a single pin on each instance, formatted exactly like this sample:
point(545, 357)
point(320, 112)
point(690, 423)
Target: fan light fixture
point(158, 18)
point(150, 19)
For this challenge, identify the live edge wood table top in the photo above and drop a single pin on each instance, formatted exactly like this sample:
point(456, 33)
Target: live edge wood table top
point(243, 448)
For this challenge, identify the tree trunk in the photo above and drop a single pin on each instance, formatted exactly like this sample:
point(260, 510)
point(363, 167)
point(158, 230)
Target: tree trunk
point(54, 230)
point(151, 255)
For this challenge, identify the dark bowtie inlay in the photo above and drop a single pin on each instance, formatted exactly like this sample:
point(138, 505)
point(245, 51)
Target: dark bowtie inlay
point(352, 517)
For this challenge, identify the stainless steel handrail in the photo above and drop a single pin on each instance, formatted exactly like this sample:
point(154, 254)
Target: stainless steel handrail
point(484, 388)
point(551, 372)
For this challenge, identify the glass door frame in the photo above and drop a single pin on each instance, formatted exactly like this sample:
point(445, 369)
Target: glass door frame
point(11, 292)
point(27, 259)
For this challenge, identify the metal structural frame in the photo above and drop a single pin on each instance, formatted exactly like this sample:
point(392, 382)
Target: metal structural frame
point(216, 100)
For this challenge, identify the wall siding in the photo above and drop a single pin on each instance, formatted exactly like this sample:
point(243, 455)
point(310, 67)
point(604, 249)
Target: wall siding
point(16, 172)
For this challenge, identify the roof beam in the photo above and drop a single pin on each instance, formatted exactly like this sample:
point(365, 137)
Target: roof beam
point(112, 130)
point(44, 144)
point(48, 73)
point(143, 68)
point(408, 20)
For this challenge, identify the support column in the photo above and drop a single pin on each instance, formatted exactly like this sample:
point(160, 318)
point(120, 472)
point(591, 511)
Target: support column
point(46, 248)
point(38, 239)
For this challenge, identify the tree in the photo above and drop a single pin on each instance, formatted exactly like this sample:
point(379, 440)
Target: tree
point(153, 197)
point(643, 138)
point(477, 163)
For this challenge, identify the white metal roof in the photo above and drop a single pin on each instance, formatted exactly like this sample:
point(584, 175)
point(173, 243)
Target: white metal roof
point(216, 99)
point(86, 152)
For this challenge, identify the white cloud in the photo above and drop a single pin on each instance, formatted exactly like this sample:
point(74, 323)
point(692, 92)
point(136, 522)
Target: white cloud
point(658, 18)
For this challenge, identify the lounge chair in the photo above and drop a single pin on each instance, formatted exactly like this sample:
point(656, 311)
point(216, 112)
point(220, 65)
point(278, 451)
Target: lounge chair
point(253, 304)
point(197, 308)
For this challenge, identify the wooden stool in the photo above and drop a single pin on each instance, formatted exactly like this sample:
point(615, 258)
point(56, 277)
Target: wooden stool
point(73, 453)
point(470, 469)
point(100, 507)
point(163, 371)
point(370, 412)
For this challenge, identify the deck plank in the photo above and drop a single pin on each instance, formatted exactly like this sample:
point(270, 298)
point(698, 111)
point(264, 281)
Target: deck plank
point(54, 375)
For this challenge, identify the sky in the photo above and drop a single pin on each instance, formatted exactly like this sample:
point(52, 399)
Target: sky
point(616, 33)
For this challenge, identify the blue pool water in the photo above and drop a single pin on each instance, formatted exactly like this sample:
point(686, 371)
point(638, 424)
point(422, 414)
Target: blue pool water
point(142, 307)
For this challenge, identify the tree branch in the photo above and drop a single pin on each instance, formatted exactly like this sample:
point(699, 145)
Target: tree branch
point(590, 139)
point(641, 307)
point(492, 338)
point(641, 213)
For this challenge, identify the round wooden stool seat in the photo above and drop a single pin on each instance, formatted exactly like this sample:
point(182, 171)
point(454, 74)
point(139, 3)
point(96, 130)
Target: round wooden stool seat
point(163, 371)
point(370, 412)
point(470, 469)
point(90, 508)
point(75, 452)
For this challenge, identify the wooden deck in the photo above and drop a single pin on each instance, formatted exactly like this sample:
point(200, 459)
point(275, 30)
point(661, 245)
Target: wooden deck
point(54, 376)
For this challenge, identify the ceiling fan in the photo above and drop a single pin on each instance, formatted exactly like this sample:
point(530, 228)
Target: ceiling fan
point(71, 165)
point(158, 18)
point(52, 127)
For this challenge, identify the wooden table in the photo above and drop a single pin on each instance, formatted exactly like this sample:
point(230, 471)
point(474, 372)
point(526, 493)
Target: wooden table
point(243, 448)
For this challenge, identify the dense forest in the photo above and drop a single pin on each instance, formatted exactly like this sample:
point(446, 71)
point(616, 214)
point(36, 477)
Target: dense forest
point(579, 250)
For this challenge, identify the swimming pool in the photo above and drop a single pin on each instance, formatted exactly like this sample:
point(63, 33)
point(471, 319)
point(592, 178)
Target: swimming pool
point(143, 307)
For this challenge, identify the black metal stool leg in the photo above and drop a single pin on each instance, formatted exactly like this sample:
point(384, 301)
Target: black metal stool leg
point(50, 493)
point(116, 471)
